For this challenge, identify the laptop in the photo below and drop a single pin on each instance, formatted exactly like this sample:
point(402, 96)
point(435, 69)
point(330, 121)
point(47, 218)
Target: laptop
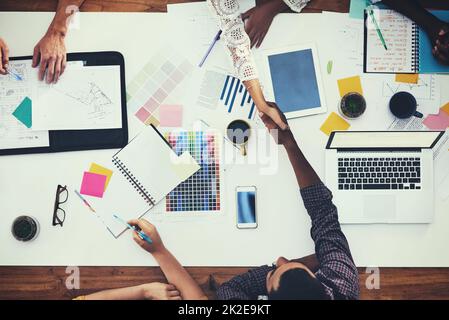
point(382, 176)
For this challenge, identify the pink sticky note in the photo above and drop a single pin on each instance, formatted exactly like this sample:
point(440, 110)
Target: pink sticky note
point(93, 184)
point(170, 115)
point(437, 122)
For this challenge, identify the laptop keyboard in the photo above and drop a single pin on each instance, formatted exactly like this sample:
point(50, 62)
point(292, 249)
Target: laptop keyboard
point(379, 173)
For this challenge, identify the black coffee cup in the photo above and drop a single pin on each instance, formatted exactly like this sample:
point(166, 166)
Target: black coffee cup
point(25, 228)
point(239, 131)
point(403, 105)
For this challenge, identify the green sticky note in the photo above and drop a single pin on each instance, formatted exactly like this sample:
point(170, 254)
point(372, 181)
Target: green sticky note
point(23, 112)
point(329, 66)
point(357, 8)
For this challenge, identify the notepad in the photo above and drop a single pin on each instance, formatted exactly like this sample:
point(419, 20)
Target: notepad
point(334, 123)
point(407, 78)
point(147, 169)
point(93, 184)
point(152, 167)
point(437, 122)
point(96, 168)
point(351, 84)
point(409, 48)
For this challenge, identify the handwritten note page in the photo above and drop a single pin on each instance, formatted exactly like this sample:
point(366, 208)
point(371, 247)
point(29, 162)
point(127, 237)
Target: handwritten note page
point(13, 132)
point(397, 31)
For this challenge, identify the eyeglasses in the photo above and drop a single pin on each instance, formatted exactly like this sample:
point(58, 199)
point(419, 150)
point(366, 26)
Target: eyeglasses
point(62, 196)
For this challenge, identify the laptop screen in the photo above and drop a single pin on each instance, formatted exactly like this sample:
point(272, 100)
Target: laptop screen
point(383, 139)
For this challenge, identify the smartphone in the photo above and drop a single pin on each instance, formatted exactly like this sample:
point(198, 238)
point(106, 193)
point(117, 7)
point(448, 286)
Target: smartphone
point(246, 207)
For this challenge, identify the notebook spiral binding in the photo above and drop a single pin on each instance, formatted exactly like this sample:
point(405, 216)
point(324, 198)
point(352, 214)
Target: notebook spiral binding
point(134, 181)
point(415, 48)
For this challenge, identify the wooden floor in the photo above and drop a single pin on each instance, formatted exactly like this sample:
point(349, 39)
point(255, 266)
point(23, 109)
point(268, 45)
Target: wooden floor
point(49, 282)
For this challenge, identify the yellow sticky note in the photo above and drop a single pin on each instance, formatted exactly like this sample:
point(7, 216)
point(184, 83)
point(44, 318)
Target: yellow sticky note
point(351, 84)
point(96, 168)
point(407, 78)
point(333, 123)
point(445, 108)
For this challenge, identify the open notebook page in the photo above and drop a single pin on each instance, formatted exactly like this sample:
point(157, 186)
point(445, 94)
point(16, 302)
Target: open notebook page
point(397, 31)
point(154, 165)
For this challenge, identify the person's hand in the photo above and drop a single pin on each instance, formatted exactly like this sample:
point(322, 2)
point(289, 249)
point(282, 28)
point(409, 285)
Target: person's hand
point(150, 230)
point(441, 47)
point(160, 291)
point(270, 110)
point(283, 137)
point(50, 55)
point(258, 21)
point(4, 56)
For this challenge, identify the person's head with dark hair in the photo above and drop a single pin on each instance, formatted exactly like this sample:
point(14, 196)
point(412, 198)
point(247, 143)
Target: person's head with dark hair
point(294, 281)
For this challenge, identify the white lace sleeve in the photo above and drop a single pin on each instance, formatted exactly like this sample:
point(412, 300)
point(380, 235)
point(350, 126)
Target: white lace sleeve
point(235, 37)
point(296, 5)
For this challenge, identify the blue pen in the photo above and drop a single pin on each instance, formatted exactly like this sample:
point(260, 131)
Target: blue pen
point(216, 38)
point(142, 235)
point(14, 74)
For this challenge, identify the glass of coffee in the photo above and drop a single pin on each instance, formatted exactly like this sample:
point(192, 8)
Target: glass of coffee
point(239, 131)
point(25, 228)
point(352, 105)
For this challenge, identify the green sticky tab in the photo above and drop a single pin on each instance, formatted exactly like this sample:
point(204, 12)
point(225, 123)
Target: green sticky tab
point(23, 112)
point(329, 66)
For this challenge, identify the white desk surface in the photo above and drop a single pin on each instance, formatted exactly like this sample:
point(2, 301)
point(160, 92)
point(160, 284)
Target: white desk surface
point(28, 182)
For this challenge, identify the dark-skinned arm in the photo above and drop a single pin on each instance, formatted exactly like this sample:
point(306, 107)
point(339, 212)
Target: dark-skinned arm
point(437, 30)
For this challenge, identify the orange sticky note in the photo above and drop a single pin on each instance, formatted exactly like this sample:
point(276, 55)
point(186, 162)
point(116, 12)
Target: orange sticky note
point(445, 108)
point(351, 84)
point(334, 123)
point(407, 78)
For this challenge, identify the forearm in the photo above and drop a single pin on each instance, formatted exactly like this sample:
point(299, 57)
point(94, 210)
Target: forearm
point(178, 276)
point(305, 174)
point(310, 261)
point(278, 6)
point(255, 91)
point(414, 11)
point(130, 293)
point(63, 12)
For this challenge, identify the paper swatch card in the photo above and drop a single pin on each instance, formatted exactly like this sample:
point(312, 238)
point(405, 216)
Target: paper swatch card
point(170, 115)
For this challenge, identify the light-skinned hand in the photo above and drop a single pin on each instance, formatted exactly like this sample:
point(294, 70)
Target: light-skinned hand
point(4, 56)
point(160, 291)
point(151, 231)
point(280, 136)
point(50, 55)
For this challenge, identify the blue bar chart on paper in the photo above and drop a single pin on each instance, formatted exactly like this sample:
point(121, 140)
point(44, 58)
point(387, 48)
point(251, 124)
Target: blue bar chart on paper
point(234, 95)
point(225, 93)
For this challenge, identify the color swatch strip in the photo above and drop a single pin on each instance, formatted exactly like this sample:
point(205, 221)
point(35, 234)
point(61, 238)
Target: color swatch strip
point(155, 82)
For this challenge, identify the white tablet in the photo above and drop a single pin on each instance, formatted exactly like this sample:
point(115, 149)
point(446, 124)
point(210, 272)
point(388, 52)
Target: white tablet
point(292, 79)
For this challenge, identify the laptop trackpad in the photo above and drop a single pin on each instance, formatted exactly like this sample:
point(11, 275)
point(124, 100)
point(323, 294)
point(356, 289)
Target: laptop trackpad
point(379, 208)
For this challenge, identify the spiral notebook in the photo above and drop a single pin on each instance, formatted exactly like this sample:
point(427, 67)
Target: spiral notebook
point(148, 170)
point(408, 46)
